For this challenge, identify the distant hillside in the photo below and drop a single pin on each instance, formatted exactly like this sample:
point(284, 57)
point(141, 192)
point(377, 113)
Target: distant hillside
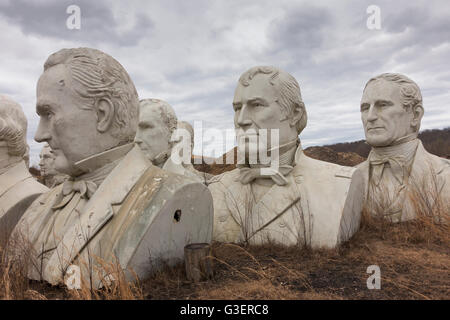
point(349, 153)
point(436, 141)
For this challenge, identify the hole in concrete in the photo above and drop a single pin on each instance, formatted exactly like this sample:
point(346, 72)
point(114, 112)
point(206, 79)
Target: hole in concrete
point(177, 215)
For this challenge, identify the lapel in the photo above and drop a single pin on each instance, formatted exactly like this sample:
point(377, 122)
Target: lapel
point(425, 173)
point(364, 167)
point(239, 200)
point(275, 202)
point(97, 212)
point(273, 206)
point(422, 167)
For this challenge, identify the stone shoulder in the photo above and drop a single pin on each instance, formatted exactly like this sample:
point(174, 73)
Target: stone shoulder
point(326, 169)
point(225, 178)
point(441, 165)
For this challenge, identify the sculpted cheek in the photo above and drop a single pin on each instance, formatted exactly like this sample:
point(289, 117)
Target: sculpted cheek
point(58, 122)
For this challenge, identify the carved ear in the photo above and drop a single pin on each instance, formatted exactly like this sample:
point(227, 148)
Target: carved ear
point(417, 116)
point(297, 114)
point(105, 114)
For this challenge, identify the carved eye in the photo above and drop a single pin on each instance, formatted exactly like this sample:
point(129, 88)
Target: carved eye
point(48, 114)
point(258, 104)
point(145, 125)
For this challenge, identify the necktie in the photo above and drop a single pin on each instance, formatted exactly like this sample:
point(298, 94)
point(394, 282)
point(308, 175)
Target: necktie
point(86, 188)
point(378, 163)
point(247, 174)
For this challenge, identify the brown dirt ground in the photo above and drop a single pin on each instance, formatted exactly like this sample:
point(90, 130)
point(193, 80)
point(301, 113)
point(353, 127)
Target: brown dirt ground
point(414, 262)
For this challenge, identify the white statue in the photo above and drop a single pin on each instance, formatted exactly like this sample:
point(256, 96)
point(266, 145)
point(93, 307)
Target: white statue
point(167, 142)
point(180, 160)
point(18, 189)
point(116, 207)
point(157, 123)
point(51, 177)
point(301, 201)
point(400, 176)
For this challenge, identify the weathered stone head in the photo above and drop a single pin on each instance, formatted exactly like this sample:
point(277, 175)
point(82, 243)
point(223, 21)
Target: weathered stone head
point(13, 133)
point(157, 123)
point(87, 104)
point(47, 162)
point(268, 98)
point(391, 109)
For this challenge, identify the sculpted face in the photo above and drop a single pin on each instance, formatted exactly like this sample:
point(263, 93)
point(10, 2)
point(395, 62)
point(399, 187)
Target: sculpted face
point(47, 162)
point(153, 135)
point(256, 108)
point(69, 130)
point(384, 118)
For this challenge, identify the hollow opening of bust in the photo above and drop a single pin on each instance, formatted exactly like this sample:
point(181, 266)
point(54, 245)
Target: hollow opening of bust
point(177, 216)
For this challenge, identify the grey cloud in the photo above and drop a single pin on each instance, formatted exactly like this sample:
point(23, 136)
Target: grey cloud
point(191, 54)
point(98, 24)
point(300, 31)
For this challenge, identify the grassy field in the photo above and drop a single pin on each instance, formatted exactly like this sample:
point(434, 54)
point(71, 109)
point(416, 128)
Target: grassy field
point(413, 258)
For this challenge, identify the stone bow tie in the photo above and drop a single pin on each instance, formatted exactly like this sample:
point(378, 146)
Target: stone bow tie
point(70, 187)
point(397, 164)
point(247, 175)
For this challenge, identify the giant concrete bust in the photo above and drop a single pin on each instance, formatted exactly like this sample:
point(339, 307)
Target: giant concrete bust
point(180, 160)
point(51, 177)
point(401, 177)
point(116, 206)
point(157, 123)
point(163, 139)
point(18, 188)
point(302, 201)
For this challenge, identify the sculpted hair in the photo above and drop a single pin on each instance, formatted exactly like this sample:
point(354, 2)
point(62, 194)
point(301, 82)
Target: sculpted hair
point(290, 96)
point(13, 127)
point(409, 90)
point(100, 76)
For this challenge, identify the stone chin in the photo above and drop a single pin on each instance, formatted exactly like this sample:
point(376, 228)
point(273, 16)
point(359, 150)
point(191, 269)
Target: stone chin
point(63, 165)
point(377, 138)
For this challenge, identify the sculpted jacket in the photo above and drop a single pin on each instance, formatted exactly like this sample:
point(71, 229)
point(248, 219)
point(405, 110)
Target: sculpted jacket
point(18, 189)
point(319, 207)
point(138, 216)
point(428, 187)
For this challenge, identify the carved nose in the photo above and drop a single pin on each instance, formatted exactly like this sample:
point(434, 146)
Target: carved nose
point(42, 133)
point(372, 114)
point(137, 138)
point(243, 118)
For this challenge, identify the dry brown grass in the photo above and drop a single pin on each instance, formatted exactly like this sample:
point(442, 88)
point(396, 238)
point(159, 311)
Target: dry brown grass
point(414, 258)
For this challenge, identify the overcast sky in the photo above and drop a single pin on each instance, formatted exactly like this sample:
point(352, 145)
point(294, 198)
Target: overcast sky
point(191, 53)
